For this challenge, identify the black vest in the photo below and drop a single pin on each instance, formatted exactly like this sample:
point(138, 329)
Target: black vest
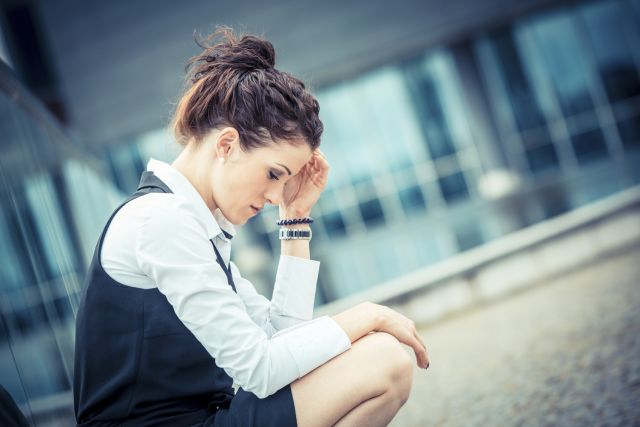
point(135, 361)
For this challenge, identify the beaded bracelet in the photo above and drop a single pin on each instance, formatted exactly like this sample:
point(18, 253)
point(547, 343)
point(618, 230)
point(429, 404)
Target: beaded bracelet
point(307, 220)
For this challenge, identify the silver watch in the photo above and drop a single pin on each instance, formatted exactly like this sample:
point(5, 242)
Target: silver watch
point(295, 234)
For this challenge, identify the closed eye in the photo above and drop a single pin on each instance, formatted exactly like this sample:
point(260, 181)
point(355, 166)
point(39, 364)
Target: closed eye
point(272, 176)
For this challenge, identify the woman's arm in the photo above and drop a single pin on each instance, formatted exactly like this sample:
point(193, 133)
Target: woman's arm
point(296, 247)
point(299, 195)
point(367, 316)
point(172, 249)
point(293, 294)
point(294, 289)
point(359, 320)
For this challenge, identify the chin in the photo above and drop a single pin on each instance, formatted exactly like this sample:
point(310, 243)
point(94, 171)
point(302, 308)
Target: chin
point(239, 221)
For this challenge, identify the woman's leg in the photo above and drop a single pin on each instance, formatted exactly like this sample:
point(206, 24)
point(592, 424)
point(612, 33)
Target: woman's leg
point(370, 381)
point(377, 411)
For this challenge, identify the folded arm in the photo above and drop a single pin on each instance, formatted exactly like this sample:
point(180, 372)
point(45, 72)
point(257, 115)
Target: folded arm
point(174, 251)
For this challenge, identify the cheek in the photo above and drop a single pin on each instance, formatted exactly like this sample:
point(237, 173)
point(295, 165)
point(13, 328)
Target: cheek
point(243, 189)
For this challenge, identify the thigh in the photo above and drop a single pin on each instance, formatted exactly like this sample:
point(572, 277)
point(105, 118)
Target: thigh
point(246, 410)
point(368, 369)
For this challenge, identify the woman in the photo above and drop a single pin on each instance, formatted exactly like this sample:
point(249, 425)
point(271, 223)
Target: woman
point(167, 324)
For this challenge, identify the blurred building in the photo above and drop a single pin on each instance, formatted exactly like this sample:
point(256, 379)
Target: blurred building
point(446, 128)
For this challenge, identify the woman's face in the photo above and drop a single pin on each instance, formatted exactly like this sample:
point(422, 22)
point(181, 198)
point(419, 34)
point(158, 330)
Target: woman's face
point(251, 179)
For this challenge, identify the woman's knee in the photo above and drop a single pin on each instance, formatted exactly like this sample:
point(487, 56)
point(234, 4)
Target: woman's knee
point(395, 362)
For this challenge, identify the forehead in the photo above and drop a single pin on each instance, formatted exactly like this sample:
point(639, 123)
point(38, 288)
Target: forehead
point(292, 155)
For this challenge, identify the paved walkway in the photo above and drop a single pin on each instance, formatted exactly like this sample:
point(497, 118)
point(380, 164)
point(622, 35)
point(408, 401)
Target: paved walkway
point(565, 353)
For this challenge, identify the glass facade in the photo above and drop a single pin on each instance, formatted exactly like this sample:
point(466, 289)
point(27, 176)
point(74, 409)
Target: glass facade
point(565, 96)
point(562, 89)
point(53, 203)
point(555, 94)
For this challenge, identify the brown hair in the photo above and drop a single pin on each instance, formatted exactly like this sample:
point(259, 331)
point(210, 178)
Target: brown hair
point(233, 82)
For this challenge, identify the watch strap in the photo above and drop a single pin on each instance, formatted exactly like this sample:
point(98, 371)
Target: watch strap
point(295, 234)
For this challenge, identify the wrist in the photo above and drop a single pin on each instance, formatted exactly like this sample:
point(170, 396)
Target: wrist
point(292, 212)
point(297, 226)
point(377, 314)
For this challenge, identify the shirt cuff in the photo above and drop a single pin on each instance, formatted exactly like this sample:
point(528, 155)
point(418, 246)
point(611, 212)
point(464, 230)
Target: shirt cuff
point(314, 343)
point(294, 290)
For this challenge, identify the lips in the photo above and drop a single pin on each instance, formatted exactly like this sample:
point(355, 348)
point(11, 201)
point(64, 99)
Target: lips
point(256, 209)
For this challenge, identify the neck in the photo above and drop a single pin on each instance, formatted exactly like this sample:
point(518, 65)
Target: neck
point(192, 164)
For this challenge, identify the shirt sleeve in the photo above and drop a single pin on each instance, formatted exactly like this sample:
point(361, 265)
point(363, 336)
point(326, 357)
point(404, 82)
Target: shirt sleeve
point(293, 294)
point(172, 248)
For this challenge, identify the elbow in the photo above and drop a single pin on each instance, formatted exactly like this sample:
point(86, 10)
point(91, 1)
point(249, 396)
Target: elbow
point(265, 372)
point(258, 385)
point(259, 390)
point(262, 394)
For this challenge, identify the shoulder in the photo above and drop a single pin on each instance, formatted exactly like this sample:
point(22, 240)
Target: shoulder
point(162, 214)
point(169, 234)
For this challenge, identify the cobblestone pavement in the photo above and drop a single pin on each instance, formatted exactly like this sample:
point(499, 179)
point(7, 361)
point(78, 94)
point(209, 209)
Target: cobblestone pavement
point(565, 353)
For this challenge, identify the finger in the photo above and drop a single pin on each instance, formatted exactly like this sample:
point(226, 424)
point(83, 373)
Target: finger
point(424, 349)
point(322, 159)
point(314, 164)
point(420, 354)
point(421, 341)
point(320, 156)
point(322, 167)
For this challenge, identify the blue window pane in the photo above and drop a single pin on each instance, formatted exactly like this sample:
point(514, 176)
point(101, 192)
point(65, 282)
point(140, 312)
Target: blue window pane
point(348, 119)
point(454, 187)
point(390, 119)
point(125, 165)
point(42, 369)
point(327, 200)
point(62, 307)
point(29, 320)
point(525, 106)
point(535, 137)
point(430, 113)
point(264, 240)
point(51, 228)
point(605, 25)
point(554, 201)
point(11, 380)
point(468, 236)
point(371, 212)
point(563, 54)
point(365, 189)
point(412, 199)
point(334, 224)
point(542, 158)
point(15, 271)
point(629, 130)
point(589, 146)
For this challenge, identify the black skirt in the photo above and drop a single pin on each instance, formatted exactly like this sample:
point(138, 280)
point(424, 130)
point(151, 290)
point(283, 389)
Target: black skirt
point(246, 410)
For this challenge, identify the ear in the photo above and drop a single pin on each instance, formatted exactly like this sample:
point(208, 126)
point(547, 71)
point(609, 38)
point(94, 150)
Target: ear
point(227, 142)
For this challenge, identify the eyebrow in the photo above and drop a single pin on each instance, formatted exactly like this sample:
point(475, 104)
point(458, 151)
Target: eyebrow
point(284, 167)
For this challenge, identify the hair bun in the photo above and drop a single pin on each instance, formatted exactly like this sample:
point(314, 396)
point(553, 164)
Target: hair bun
point(233, 82)
point(223, 48)
point(260, 53)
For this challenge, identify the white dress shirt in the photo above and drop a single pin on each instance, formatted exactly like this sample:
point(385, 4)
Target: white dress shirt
point(163, 240)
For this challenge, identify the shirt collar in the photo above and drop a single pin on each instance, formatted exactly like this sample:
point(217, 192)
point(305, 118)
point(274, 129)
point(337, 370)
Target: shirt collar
point(216, 224)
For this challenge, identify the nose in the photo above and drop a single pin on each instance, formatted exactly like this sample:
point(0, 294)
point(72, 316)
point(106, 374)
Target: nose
point(274, 196)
